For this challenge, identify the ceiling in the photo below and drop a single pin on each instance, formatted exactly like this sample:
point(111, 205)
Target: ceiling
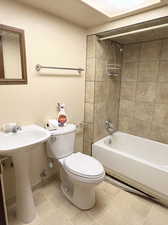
point(74, 11)
point(78, 12)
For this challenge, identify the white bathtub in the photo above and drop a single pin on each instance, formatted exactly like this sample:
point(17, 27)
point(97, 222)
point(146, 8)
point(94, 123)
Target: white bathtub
point(137, 161)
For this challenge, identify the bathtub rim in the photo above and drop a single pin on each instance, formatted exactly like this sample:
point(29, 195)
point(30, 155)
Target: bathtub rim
point(101, 143)
point(138, 137)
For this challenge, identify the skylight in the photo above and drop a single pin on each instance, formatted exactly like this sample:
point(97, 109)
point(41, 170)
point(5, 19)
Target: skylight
point(113, 8)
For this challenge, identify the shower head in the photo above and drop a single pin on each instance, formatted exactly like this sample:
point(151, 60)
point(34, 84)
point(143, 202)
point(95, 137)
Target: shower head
point(119, 46)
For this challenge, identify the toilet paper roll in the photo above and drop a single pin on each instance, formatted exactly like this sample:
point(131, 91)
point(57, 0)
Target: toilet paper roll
point(52, 124)
point(8, 127)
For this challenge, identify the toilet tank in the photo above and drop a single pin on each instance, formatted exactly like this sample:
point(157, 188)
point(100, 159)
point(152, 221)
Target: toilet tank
point(61, 142)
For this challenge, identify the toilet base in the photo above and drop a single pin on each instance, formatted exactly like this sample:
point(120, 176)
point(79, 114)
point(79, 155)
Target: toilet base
point(82, 195)
point(79, 193)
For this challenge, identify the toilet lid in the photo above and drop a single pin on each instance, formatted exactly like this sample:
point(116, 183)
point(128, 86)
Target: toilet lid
point(84, 165)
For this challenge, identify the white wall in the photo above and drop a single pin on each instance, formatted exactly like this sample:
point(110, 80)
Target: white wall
point(130, 20)
point(49, 41)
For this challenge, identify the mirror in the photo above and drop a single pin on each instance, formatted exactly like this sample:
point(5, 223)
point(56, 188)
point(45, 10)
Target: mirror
point(12, 56)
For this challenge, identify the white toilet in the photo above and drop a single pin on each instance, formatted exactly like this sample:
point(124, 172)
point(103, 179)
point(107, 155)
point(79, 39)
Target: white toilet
point(79, 173)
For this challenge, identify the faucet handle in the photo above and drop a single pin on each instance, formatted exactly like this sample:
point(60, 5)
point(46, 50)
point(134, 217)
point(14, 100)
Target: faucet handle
point(110, 127)
point(16, 128)
point(109, 124)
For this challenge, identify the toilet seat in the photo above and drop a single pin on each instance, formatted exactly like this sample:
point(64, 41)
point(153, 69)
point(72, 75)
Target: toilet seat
point(83, 166)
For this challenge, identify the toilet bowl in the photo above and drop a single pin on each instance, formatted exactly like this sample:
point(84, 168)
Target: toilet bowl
point(79, 176)
point(79, 173)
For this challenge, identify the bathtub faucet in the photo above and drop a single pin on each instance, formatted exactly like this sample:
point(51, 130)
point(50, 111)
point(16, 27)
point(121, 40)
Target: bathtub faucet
point(109, 127)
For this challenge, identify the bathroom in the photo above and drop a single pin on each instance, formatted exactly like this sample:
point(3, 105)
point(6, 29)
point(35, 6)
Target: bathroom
point(123, 80)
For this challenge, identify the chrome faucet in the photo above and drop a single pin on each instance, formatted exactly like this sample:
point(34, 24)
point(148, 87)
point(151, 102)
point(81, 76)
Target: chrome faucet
point(16, 128)
point(109, 127)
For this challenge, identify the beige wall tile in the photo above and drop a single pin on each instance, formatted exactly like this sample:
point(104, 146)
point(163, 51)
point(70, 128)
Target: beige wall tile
point(139, 90)
point(163, 71)
point(128, 89)
point(112, 87)
point(131, 52)
point(105, 92)
point(102, 49)
point(90, 69)
point(100, 111)
point(100, 92)
point(141, 128)
point(89, 91)
point(148, 71)
point(130, 71)
point(159, 133)
point(150, 50)
point(143, 111)
point(160, 115)
point(87, 148)
point(145, 91)
point(125, 123)
point(88, 131)
point(91, 46)
point(89, 107)
point(127, 107)
point(99, 129)
point(148, 111)
point(112, 112)
point(164, 50)
point(162, 93)
point(99, 121)
point(79, 142)
point(100, 70)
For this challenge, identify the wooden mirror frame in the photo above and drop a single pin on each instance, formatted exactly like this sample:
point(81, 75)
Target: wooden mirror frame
point(23, 80)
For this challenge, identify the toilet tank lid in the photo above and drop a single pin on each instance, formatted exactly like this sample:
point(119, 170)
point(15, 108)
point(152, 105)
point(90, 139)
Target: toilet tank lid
point(69, 128)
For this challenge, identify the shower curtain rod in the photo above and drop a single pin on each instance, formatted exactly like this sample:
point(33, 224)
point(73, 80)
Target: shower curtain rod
point(133, 32)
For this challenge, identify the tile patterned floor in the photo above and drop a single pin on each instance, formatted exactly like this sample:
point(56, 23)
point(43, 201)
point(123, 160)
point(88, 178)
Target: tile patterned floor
point(113, 207)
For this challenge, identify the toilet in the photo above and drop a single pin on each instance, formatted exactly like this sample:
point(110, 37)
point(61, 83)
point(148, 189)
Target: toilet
point(79, 173)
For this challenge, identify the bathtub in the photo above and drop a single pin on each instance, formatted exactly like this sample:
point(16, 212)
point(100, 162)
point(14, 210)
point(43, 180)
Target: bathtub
point(139, 162)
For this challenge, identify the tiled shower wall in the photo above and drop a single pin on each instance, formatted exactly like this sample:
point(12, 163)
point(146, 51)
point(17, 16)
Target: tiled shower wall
point(101, 92)
point(144, 90)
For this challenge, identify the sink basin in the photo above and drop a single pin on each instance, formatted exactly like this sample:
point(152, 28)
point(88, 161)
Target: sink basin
point(17, 146)
point(29, 135)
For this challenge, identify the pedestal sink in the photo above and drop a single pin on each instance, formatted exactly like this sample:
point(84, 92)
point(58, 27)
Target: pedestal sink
point(17, 145)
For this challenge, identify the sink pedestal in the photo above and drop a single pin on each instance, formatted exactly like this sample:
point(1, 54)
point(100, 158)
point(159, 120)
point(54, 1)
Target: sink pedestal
point(25, 208)
point(18, 146)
